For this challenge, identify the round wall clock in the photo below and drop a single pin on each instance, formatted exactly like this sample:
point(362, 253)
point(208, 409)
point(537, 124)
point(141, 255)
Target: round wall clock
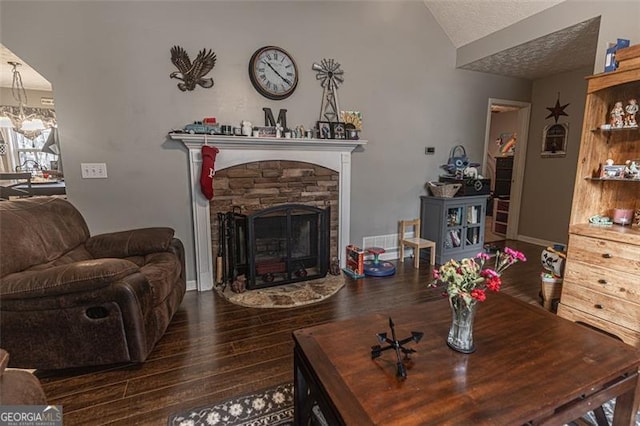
point(273, 72)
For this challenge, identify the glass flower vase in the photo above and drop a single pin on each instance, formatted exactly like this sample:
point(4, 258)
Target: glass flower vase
point(461, 332)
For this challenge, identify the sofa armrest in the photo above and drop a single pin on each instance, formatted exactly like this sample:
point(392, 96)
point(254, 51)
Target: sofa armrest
point(136, 242)
point(87, 275)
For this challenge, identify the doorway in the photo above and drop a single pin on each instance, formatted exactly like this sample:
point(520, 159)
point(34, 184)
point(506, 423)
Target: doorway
point(505, 150)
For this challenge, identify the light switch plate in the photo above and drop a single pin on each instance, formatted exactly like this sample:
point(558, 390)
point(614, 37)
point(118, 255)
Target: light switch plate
point(94, 170)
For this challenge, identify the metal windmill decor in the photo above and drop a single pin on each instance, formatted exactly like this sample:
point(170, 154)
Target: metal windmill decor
point(192, 74)
point(330, 75)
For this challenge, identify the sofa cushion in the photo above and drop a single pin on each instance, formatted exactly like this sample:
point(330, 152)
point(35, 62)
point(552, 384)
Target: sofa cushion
point(75, 277)
point(38, 230)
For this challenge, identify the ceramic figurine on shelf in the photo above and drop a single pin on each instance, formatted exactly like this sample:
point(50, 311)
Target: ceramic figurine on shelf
point(246, 128)
point(632, 171)
point(617, 115)
point(631, 110)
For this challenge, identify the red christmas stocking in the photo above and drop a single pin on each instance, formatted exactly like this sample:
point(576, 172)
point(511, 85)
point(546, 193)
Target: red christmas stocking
point(206, 175)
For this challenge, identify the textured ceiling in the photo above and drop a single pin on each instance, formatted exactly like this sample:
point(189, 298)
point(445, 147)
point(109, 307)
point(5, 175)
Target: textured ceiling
point(565, 50)
point(30, 78)
point(465, 21)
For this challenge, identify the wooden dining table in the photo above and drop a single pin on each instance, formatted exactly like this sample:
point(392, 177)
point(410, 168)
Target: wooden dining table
point(530, 367)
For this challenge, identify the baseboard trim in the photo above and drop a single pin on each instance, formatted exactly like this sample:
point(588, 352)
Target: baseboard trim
point(192, 285)
point(538, 241)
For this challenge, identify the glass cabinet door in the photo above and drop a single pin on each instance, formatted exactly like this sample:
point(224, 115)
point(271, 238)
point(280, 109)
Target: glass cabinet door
point(453, 237)
point(473, 223)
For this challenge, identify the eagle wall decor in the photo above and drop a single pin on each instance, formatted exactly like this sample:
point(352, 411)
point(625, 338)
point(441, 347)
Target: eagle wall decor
point(192, 73)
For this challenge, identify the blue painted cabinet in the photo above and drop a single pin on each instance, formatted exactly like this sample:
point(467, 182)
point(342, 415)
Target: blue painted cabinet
point(455, 224)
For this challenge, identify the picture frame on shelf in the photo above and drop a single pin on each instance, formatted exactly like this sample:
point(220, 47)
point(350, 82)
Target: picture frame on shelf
point(338, 130)
point(266, 131)
point(554, 140)
point(612, 171)
point(324, 129)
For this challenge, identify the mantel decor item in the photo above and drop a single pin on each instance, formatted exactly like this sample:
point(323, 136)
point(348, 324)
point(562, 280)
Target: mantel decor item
point(466, 282)
point(192, 74)
point(331, 76)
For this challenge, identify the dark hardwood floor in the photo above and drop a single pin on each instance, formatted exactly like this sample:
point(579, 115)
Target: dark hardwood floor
point(214, 350)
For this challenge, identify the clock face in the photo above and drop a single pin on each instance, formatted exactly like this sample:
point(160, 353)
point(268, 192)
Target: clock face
point(273, 72)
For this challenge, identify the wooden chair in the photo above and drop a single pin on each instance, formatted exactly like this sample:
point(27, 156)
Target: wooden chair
point(415, 242)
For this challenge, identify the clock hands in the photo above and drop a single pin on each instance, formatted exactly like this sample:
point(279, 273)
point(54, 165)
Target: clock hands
point(277, 73)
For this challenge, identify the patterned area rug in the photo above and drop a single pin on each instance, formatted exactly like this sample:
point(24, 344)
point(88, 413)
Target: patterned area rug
point(288, 295)
point(271, 407)
point(275, 407)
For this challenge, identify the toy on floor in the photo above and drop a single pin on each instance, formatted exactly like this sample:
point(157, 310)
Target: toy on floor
point(354, 265)
point(377, 267)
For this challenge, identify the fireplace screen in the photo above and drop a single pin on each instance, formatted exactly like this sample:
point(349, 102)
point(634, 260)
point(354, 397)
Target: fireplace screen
point(286, 243)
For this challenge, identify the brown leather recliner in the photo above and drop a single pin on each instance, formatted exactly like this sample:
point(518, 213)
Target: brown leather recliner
point(68, 299)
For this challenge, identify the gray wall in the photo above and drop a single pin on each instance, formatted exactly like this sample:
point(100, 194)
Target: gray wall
point(109, 66)
point(548, 182)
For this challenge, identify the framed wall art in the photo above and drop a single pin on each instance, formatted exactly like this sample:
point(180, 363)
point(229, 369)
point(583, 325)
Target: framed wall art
point(554, 140)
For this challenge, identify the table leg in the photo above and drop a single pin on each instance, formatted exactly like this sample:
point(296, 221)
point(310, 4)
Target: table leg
point(302, 406)
point(627, 406)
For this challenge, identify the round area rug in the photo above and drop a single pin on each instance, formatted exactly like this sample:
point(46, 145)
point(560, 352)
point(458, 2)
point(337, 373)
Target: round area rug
point(288, 295)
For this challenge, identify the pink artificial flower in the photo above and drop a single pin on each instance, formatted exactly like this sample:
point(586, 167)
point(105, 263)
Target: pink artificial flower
point(488, 273)
point(483, 256)
point(515, 254)
point(436, 274)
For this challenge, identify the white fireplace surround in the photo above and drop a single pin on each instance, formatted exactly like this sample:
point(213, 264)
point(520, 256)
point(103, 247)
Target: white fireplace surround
point(234, 150)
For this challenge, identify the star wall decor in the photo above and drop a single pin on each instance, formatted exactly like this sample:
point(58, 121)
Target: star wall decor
point(557, 110)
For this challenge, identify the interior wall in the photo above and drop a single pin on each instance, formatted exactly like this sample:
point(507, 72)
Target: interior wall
point(548, 182)
point(109, 64)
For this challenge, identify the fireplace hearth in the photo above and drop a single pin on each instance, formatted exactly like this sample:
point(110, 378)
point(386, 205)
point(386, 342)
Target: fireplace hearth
point(277, 245)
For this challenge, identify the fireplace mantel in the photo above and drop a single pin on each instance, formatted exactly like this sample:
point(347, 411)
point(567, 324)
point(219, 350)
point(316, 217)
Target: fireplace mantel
point(330, 153)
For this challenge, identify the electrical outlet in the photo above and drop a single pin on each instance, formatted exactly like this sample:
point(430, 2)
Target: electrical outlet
point(429, 150)
point(94, 170)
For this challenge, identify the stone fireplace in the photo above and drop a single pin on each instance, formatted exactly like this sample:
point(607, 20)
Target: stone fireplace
point(300, 154)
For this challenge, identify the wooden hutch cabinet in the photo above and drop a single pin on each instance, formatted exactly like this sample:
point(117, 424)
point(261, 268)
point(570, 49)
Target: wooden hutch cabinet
point(602, 277)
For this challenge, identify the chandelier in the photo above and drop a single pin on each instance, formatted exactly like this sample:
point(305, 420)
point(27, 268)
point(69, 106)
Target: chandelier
point(27, 121)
